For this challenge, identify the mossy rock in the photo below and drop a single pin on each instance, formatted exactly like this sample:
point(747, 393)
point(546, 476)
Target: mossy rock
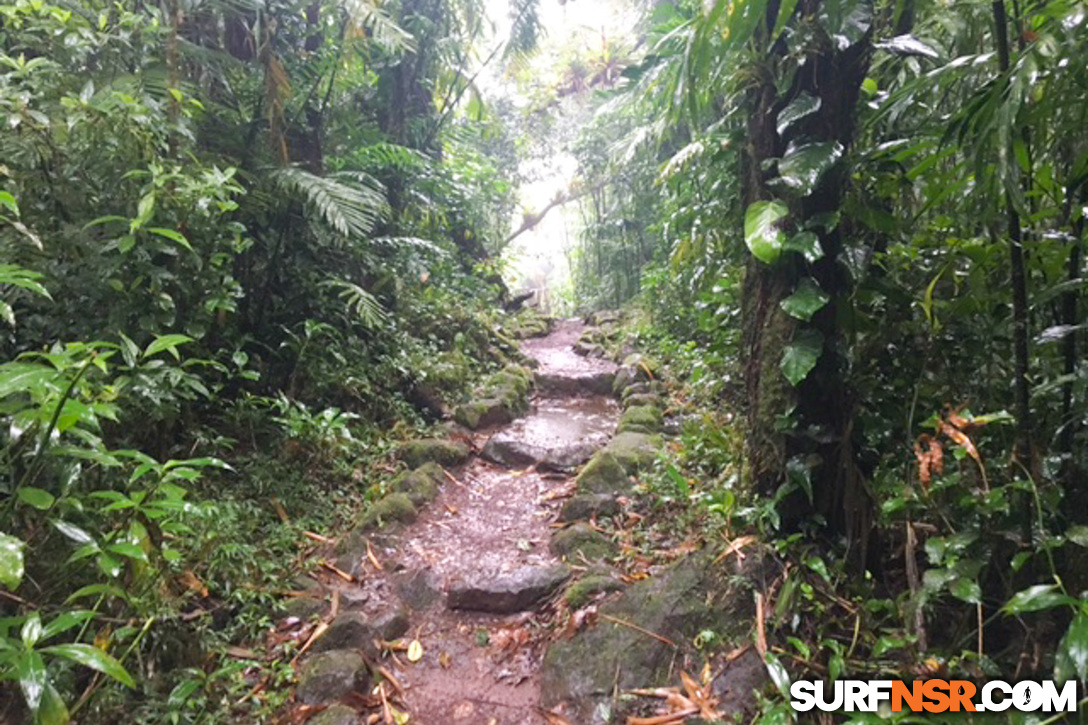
point(396, 507)
point(634, 451)
point(642, 419)
point(442, 451)
point(335, 715)
point(650, 387)
point(483, 413)
point(603, 474)
point(304, 607)
point(688, 597)
point(581, 541)
point(640, 399)
point(332, 676)
point(583, 591)
point(420, 485)
point(584, 506)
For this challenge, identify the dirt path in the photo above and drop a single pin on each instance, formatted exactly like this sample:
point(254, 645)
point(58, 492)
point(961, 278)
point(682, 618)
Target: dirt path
point(482, 544)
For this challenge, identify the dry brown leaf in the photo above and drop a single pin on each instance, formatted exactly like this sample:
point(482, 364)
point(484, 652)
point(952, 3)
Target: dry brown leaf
point(192, 582)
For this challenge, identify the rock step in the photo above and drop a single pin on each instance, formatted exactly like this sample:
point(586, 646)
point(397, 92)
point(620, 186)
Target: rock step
point(508, 592)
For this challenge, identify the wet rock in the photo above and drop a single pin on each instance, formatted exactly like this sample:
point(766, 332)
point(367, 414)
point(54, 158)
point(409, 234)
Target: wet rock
point(581, 541)
point(583, 591)
point(560, 385)
point(336, 715)
point(604, 317)
point(437, 450)
point(331, 676)
point(652, 387)
point(634, 451)
point(420, 485)
point(688, 597)
point(585, 506)
point(636, 368)
point(391, 624)
point(506, 593)
point(418, 589)
point(352, 598)
point(642, 419)
point(350, 630)
point(638, 399)
point(510, 451)
point(304, 607)
point(587, 348)
point(396, 507)
point(603, 474)
point(737, 685)
point(483, 413)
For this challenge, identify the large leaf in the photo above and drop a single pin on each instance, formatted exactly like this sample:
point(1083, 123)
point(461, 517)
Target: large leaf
point(20, 377)
point(91, 656)
point(761, 231)
point(12, 564)
point(351, 204)
point(36, 497)
point(807, 244)
point(1036, 598)
point(33, 678)
point(801, 355)
point(798, 108)
point(166, 342)
point(1071, 660)
point(802, 166)
point(52, 710)
point(806, 301)
point(907, 45)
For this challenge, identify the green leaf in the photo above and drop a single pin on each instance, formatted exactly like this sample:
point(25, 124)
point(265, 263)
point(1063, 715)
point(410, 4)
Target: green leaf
point(966, 589)
point(92, 590)
point(1035, 598)
point(64, 622)
point(7, 200)
point(761, 232)
point(52, 710)
point(128, 550)
point(802, 167)
point(785, 12)
point(144, 211)
point(806, 244)
point(1078, 535)
point(36, 497)
point(172, 236)
point(167, 342)
point(1071, 660)
point(73, 532)
point(33, 678)
point(32, 630)
point(90, 656)
point(12, 564)
point(779, 676)
point(804, 105)
point(20, 377)
point(801, 355)
point(807, 300)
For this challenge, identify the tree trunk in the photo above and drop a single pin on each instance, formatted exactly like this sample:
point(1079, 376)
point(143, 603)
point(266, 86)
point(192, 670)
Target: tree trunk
point(807, 430)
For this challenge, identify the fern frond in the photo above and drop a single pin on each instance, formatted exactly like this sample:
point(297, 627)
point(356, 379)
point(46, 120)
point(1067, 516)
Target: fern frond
point(423, 245)
point(364, 305)
point(351, 209)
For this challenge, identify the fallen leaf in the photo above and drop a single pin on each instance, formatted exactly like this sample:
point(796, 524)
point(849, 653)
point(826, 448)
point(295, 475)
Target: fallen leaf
point(444, 660)
point(415, 651)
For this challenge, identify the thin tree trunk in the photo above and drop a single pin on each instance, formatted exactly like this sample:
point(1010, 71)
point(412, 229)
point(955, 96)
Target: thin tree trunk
point(1018, 278)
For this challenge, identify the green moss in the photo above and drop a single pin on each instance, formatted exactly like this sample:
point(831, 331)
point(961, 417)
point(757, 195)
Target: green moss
point(420, 485)
point(582, 592)
point(396, 507)
point(642, 419)
point(441, 451)
point(603, 474)
point(634, 451)
point(581, 540)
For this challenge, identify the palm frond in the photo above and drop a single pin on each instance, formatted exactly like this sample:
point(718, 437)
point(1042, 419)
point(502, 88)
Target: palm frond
point(350, 203)
point(364, 305)
point(370, 16)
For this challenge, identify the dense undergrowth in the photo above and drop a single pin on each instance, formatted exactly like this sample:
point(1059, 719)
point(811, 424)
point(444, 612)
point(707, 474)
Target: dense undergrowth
point(242, 255)
point(868, 280)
